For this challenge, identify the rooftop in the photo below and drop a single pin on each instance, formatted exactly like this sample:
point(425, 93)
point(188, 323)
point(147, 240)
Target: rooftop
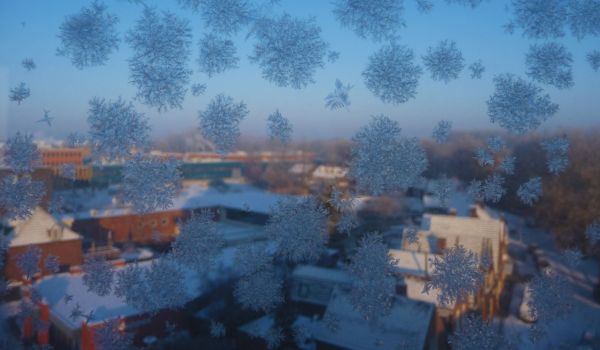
point(39, 228)
point(406, 327)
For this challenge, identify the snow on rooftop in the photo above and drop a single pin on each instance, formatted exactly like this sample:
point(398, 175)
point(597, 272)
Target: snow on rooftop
point(39, 228)
point(330, 172)
point(406, 327)
point(241, 197)
point(55, 287)
point(412, 263)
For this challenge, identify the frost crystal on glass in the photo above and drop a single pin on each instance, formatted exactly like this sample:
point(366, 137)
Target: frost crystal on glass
point(530, 191)
point(20, 153)
point(540, 19)
point(219, 123)
point(444, 62)
point(279, 127)
point(378, 20)
point(477, 69)
point(299, 228)
point(382, 161)
point(339, 97)
point(222, 16)
point(52, 263)
point(75, 140)
point(69, 171)
point(20, 196)
point(198, 89)
point(548, 291)
point(550, 64)
point(164, 281)
point(592, 232)
point(557, 154)
point(442, 189)
point(584, 18)
point(507, 165)
point(89, 37)
point(217, 329)
point(424, 6)
point(441, 132)
point(159, 65)
point(260, 291)
point(199, 242)
point(333, 56)
point(130, 286)
point(484, 158)
point(98, 275)
point(593, 59)
point(216, 55)
point(150, 183)
point(456, 274)
point(28, 64)
point(519, 106)
point(116, 128)
point(495, 144)
point(108, 336)
point(288, 50)
point(252, 259)
point(476, 333)
point(572, 257)
point(392, 74)
point(374, 285)
point(19, 93)
point(28, 262)
point(471, 3)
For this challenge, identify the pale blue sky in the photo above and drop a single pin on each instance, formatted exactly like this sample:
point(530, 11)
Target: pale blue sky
point(58, 86)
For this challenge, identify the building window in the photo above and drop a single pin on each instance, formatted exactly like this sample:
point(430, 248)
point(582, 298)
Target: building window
point(164, 221)
point(153, 223)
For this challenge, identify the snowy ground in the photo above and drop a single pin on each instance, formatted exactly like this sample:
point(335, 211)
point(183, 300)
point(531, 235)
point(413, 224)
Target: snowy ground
point(565, 333)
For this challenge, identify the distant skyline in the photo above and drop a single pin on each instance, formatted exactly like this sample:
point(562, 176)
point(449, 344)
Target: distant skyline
point(56, 85)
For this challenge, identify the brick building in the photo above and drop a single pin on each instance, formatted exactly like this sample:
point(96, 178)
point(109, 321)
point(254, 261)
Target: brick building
point(43, 231)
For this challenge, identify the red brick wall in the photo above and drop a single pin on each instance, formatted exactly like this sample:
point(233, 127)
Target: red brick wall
point(68, 252)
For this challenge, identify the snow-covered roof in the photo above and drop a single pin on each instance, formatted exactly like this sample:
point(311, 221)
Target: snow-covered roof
point(313, 272)
point(414, 291)
point(240, 197)
point(54, 288)
point(39, 228)
point(406, 327)
point(476, 234)
point(411, 263)
point(301, 168)
point(330, 172)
